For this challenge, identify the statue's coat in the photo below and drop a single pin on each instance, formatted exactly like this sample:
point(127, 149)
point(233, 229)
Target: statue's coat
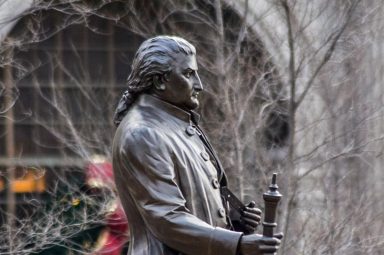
point(168, 185)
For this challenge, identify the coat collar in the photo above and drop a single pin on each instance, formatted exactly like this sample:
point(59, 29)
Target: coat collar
point(152, 101)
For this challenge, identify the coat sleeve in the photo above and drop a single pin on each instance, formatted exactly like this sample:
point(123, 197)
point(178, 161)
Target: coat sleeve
point(148, 171)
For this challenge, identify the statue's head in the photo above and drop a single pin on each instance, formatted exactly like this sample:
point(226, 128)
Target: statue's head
point(166, 67)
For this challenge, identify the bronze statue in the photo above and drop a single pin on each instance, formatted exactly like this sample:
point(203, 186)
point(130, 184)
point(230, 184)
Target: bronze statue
point(168, 176)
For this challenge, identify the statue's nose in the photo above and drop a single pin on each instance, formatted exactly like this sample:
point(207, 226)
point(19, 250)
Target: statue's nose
point(198, 86)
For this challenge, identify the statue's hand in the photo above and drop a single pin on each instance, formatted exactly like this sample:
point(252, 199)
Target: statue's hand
point(257, 244)
point(250, 218)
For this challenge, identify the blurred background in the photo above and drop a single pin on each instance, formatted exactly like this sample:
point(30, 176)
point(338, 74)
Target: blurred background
point(291, 86)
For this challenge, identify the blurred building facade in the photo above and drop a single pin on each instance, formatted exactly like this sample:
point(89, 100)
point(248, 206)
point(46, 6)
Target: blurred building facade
point(64, 67)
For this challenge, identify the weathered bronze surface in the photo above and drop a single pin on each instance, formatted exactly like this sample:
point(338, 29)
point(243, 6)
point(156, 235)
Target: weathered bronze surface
point(271, 200)
point(168, 176)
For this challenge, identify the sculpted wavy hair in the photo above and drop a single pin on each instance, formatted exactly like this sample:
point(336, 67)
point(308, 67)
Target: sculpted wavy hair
point(153, 58)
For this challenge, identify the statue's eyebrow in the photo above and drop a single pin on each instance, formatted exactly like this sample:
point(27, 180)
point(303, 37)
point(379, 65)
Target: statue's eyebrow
point(188, 69)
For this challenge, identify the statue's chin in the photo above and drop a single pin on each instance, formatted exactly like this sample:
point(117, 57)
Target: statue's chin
point(193, 105)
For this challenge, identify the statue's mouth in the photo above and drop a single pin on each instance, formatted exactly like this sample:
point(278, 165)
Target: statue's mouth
point(195, 94)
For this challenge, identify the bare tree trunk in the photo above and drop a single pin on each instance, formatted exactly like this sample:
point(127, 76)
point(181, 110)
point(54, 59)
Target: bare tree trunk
point(292, 124)
point(228, 102)
point(220, 58)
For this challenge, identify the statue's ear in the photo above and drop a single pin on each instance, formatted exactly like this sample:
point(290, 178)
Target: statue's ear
point(165, 77)
point(158, 82)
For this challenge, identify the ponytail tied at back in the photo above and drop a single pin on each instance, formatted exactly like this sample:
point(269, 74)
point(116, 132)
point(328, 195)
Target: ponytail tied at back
point(135, 88)
point(123, 106)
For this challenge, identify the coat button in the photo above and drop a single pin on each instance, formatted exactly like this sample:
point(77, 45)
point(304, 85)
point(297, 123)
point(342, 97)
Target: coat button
point(222, 212)
point(204, 155)
point(215, 183)
point(190, 130)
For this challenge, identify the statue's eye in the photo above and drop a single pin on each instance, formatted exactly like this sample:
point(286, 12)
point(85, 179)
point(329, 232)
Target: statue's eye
point(188, 74)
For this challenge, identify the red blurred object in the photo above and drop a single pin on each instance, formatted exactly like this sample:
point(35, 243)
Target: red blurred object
point(115, 235)
point(100, 174)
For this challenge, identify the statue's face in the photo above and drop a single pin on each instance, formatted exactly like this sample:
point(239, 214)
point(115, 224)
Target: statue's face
point(183, 84)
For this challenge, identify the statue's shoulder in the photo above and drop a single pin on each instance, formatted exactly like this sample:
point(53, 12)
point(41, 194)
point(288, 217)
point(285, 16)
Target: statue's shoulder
point(140, 127)
point(146, 115)
point(134, 134)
